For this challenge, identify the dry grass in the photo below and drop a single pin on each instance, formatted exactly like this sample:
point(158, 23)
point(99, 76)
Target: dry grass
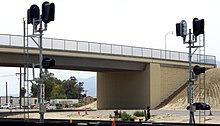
point(91, 106)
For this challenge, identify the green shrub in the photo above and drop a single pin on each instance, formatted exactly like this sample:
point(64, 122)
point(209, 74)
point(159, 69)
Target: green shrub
point(110, 116)
point(59, 106)
point(125, 116)
point(132, 118)
point(139, 113)
point(76, 105)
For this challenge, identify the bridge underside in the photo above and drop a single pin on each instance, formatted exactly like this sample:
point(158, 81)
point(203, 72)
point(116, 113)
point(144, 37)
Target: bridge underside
point(129, 90)
point(73, 63)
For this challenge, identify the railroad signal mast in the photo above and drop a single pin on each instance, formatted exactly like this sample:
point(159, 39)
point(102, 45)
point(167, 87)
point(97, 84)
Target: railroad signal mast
point(198, 29)
point(35, 18)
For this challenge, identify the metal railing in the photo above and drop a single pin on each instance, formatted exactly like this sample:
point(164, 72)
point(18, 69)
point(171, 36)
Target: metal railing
point(103, 48)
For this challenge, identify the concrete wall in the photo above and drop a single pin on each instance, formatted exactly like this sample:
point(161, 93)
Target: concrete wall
point(172, 78)
point(139, 89)
point(155, 84)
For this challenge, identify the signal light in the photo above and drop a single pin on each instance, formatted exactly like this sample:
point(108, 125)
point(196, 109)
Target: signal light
point(48, 63)
point(198, 70)
point(29, 19)
point(33, 13)
point(178, 29)
point(52, 12)
point(48, 12)
point(181, 29)
point(198, 26)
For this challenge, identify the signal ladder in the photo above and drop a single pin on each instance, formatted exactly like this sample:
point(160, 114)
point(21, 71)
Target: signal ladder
point(26, 71)
point(200, 83)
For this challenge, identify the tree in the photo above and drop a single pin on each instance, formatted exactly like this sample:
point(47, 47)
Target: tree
point(34, 90)
point(57, 92)
point(69, 87)
point(55, 88)
point(80, 89)
point(72, 88)
point(50, 83)
point(23, 91)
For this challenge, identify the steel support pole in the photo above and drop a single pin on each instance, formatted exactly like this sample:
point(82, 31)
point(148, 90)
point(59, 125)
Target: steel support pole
point(41, 112)
point(191, 113)
point(20, 89)
point(20, 100)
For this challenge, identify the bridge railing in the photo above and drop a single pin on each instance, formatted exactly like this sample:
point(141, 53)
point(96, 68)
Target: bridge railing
point(103, 48)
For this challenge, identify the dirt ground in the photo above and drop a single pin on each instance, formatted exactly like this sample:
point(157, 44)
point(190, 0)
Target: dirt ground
point(105, 116)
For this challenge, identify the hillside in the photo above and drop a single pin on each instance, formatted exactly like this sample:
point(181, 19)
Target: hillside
point(212, 78)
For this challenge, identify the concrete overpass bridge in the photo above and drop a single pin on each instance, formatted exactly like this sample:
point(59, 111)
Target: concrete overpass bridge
point(127, 77)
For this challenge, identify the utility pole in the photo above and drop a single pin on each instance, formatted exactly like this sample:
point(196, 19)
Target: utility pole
point(20, 86)
point(6, 92)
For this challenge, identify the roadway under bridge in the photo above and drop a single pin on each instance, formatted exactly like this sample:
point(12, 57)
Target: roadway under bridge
point(127, 77)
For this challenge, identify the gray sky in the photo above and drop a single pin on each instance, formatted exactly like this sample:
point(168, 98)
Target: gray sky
point(141, 23)
point(128, 22)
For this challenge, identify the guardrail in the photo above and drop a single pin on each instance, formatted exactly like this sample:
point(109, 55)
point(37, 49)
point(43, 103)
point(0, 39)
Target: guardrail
point(102, 48)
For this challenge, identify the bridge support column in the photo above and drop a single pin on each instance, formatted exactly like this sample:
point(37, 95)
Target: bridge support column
point(129, 89)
